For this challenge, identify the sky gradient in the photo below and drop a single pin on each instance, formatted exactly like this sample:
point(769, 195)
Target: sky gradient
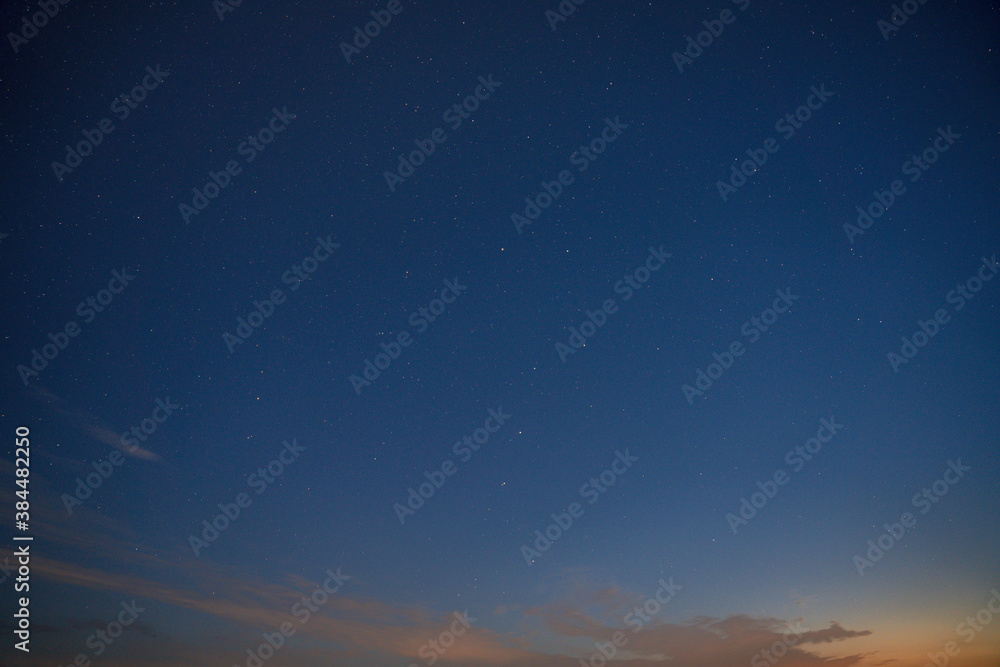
point(527, 334)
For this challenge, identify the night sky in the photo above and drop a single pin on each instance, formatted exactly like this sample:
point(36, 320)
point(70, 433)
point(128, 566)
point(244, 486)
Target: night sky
point(528, 334)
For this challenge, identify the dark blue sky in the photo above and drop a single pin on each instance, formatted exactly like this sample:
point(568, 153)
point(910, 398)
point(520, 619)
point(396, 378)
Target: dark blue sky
point(515, 369)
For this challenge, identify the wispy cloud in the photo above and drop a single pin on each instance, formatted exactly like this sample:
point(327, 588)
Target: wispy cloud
point(87, 423)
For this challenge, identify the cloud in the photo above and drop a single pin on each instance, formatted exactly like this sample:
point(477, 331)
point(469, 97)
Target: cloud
point(831, 634)
point(358, 626)
point(88, 423)
point(700, 642)
point(354, 628)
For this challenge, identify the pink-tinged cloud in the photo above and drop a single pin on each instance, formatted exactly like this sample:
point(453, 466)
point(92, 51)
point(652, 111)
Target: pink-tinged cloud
point(88, 423)
point(700, 642)
point(364, 626)
point(352, 628)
